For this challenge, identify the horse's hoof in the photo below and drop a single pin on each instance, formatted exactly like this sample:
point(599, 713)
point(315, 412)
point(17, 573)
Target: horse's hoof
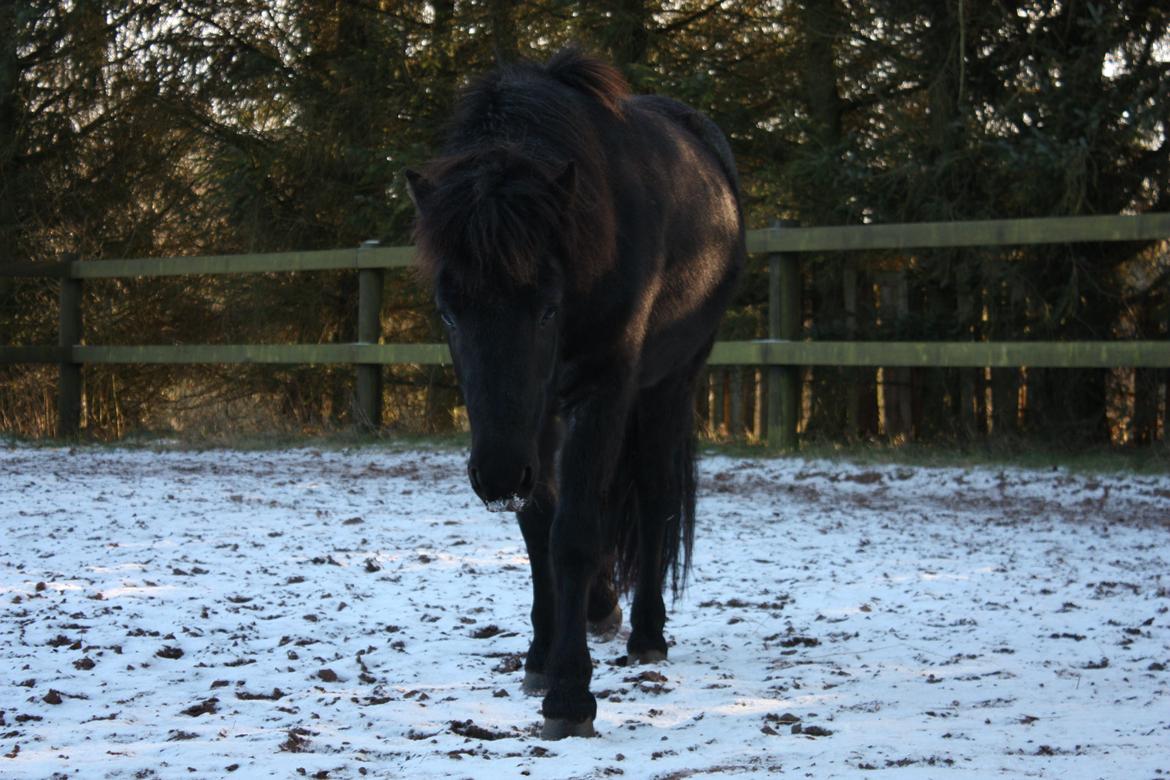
point(607, 628)
point(559, 728)
point(535, 683)
point(647, 657)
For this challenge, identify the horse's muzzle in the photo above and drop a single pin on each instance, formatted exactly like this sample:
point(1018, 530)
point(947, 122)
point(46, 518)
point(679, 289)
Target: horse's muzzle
point(498, 493)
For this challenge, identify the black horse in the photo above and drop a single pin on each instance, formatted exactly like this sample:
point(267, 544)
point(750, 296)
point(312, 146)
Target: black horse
point(582, 244)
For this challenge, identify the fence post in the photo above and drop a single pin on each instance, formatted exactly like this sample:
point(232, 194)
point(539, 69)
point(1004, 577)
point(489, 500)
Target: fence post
point(69, 334)
point(783, 323)
point(368, 406)
point(718, 418)
point(735, 421)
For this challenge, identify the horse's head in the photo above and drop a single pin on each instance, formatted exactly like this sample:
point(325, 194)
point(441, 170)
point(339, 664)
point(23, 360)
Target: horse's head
point(489, 238)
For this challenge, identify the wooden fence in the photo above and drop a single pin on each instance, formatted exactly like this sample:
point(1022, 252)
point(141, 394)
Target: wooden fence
point(781, 355)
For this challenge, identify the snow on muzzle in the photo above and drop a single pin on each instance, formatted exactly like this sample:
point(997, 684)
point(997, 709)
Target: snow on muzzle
point(513, 504)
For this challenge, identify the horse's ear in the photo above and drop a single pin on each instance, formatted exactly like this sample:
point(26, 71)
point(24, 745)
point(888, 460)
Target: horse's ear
point(419, 188)
point(566, 181)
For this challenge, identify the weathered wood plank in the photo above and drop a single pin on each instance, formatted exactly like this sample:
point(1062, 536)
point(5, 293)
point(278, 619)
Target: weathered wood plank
point(1108, 227)
point(1039, 354)
point(998, 232)
point(288, 354)
point(324, 260)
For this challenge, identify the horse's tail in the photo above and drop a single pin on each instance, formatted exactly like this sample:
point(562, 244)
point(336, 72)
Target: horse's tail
point(680, 529)
point(600, 80)
point(626, 513)
point(678, 534)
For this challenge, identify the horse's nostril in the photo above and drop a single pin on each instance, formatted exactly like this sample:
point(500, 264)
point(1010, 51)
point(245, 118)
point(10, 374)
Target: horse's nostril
point(526, 480)
point(473, 475)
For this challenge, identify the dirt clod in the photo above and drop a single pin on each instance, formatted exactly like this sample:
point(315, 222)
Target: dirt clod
point(468, 728)
point(205, 707)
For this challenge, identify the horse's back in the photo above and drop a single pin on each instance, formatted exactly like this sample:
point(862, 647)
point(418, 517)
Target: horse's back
point(697, 124)
point(685, 164)
point(682, 228)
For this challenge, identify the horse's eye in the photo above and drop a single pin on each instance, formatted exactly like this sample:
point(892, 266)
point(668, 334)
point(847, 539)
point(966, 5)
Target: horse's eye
point(447, 319)
point(548, 315)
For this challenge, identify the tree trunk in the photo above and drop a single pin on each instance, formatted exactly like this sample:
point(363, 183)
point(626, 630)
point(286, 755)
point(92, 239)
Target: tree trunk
point(820, 25)
point(626, 34)
point(10, 146)
point(503, 29)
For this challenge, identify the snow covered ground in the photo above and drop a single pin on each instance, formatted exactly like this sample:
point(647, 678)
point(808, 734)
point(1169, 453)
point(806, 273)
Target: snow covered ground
point(344, 614)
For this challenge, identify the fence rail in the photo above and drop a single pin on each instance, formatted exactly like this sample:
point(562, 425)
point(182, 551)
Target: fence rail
point(782, 354)
point(938, 235)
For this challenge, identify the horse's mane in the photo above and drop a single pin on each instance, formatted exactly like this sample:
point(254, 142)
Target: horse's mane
point(600, 80)
point(496, 204)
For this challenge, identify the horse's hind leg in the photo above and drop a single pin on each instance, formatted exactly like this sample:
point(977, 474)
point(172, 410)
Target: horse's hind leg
point(665, 416)
point(535, 521)
point(605, 614)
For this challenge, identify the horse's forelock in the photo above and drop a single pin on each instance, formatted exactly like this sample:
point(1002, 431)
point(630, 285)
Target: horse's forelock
point(489, 220)
point(498, 199)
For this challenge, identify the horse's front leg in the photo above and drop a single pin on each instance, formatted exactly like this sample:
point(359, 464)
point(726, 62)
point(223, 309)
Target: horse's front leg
point(592, 446)
point(535, 523)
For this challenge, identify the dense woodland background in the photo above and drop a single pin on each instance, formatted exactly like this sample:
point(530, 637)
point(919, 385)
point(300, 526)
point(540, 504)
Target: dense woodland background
point(134, 129)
